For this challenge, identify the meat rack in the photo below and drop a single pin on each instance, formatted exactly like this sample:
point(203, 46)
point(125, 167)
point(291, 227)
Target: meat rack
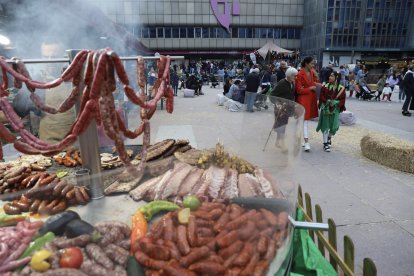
point(88, 140)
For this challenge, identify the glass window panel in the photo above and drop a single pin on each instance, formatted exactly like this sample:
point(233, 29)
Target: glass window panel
point(276, 33)
point(250, 32)
point(290, 33)
point(242, 32)
point(328, 41)
point(167, 32)
point(234, 32)
point(205, 32)
point(257, 32)
point(284, 33)
point(144, 32)
point(269, 32)
point(197, 32)
point(190, 32)
point(330, 3)
point(153, 32)
point(175, 32)
point(160, 32)
point(330, 15)
point(212, 32)
point(297, 33)
point(183, 32)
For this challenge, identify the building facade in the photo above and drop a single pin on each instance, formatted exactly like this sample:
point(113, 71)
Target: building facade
point(344, 31)
point(193, 27)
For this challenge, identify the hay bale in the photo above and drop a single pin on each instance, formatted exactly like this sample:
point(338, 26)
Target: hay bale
point(389, 151)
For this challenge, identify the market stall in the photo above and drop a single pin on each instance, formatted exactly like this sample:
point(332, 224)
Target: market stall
point(165, 207)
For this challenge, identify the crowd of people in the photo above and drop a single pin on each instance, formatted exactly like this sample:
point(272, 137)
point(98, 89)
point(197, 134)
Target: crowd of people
point(322, 93)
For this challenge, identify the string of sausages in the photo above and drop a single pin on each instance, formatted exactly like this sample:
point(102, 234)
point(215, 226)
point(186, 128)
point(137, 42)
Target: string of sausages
point(97, 101)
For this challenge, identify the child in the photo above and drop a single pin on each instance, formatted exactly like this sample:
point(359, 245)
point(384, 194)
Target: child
point(386, 92)
point(331, 103)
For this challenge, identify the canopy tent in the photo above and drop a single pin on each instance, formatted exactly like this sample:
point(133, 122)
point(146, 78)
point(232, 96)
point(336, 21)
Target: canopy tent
point(270, 47)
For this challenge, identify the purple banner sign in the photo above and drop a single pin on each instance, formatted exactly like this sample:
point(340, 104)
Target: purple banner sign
point(229, 9)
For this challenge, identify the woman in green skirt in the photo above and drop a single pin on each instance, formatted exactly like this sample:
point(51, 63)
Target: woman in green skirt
point(331, 103)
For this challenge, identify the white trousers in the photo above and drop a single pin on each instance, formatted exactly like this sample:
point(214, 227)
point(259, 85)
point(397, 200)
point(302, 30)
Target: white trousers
point(305, 129)
point(325, 136)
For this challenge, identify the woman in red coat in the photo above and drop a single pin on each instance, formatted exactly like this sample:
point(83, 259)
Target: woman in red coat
point(306, 94)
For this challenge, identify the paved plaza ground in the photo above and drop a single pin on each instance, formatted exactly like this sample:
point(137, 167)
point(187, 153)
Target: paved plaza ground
point(369, 202)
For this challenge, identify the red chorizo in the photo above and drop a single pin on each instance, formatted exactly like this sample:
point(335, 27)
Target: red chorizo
point(195, 255)
point(192, 230)
point(41, 105)
point(205, 232)
point(247, 231)
point(208, 267)
point(47, 180)
point(238, 222)
point(215, 214)
point(75, 66)
point(35, 206)
point(233, 249)
point(249, 269)
point(155, 251)
point(60, 207)
point(262, 245)
point(6, 134)
point(174, 252)
point(78, 196)
point(260, 268)
point(182, 241)
point(57, 190)
point(228, 239)
point(70, 101)
point(36, 167)
point(269, 216)
point(169, 230)
point(96, 254)
point(119, 67)
point(282, 220)
point(234, 271)
point(11, 210)
point(245, 255)
point(85, 194)
point(271, 250)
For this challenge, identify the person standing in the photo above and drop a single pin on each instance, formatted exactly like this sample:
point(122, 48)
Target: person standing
point(174, 80)
point(409, 91)
point(380, 86)
point(281, 71)
point(54, 127)
point(392, 81)
point(252, 85)
point(306, 95)
point(331, 103)
point(285, 89)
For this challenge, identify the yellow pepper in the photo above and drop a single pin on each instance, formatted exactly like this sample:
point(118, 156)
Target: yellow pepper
point(38, 261)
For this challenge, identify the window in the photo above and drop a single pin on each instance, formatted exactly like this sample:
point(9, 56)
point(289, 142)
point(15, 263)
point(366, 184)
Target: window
point(212, 32)
point(153, 32)
point(160, 32)
point(269, 32)
point(175, 32)
point(242, 32)
point(284, 33)
point(205, 32)
point(144, 32)
point(290, 33)
point(276, 33)
point(197, 32)
point(190, 32)
point(183, 32)
point(250, 32)
point(167, 32)
point(234, 32)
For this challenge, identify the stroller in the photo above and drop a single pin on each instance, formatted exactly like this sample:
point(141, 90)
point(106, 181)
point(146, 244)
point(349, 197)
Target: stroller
point(261, 98)
point(365, 93)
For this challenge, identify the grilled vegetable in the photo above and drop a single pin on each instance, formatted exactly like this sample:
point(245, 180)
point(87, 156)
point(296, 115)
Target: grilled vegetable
point(79, 227)
point(57, 223)
point(157, 206)
point(38, 244)
point(139, 229)
point(134, 268)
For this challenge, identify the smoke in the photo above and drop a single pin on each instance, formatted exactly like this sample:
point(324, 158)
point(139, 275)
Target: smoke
point(76, 24)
